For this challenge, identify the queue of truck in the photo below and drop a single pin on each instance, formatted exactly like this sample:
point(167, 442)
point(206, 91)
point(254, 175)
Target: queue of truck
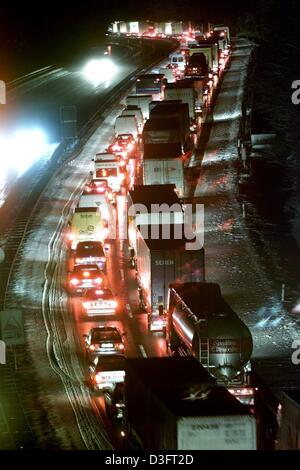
point(200, 397)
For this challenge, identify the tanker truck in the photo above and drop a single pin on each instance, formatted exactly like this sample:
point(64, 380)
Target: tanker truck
point(200, 323)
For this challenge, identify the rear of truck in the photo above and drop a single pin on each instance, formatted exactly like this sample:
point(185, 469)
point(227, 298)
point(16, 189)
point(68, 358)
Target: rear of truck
point(87, 225)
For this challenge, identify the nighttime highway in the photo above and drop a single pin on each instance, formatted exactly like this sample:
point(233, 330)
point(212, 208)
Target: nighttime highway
point(149, 257)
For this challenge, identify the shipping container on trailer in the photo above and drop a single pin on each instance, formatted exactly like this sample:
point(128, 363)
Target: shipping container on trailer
point(162, 258)
point(173, 404)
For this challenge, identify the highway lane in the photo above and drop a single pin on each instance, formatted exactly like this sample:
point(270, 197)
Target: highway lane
point(53, 357)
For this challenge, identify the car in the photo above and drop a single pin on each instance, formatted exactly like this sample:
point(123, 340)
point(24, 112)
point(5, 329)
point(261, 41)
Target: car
point(107, 371)
point(157, 322)
point(123, 145)
point(85, 277)
point(104, 340)
point(100, 186)
point(99, 302)
point(90, 252)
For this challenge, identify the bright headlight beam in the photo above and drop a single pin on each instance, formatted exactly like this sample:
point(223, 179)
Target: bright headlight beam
point(98, 71)
point(22, 148)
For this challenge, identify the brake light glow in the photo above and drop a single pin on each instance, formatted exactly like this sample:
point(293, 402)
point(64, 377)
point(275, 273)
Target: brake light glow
point(86, 274)
point(98, 280)
point(99, 292)
point(92, 347)
point(121, 346)
point(74, 281)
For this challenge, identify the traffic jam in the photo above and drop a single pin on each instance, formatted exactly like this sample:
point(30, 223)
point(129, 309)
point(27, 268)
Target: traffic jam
point(207, 346)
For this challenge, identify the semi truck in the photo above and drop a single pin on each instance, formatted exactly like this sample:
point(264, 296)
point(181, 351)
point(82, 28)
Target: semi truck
point(201, 323)
point(172, 403)
point(161, 258)
point(142, 101)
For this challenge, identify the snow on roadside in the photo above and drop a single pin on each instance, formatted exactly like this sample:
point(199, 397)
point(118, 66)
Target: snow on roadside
point(231, 258)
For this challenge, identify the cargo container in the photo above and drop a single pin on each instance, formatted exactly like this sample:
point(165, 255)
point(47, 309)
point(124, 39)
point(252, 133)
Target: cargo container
point(289, 421)
point(126, 125)
point(172, 110)
point(162, 259)
point(202, 324)
point(152, 205)
point(161, 170)
point(163, 137)
point(173, 404)
point(184, 92)
point(150, 83)
point(142, 101)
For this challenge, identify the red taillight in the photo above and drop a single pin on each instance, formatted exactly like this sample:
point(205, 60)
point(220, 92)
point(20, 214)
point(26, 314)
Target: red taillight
point(121, 346)
point(74, 281)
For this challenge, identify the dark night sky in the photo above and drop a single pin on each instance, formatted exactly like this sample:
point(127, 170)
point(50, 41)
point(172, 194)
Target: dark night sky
point(32, 32)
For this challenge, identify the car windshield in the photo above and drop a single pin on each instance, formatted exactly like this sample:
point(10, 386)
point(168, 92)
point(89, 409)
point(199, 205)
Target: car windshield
point(105, 335)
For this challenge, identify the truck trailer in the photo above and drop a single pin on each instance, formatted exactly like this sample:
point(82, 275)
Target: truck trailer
point(161, 259)
point(173, 404)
